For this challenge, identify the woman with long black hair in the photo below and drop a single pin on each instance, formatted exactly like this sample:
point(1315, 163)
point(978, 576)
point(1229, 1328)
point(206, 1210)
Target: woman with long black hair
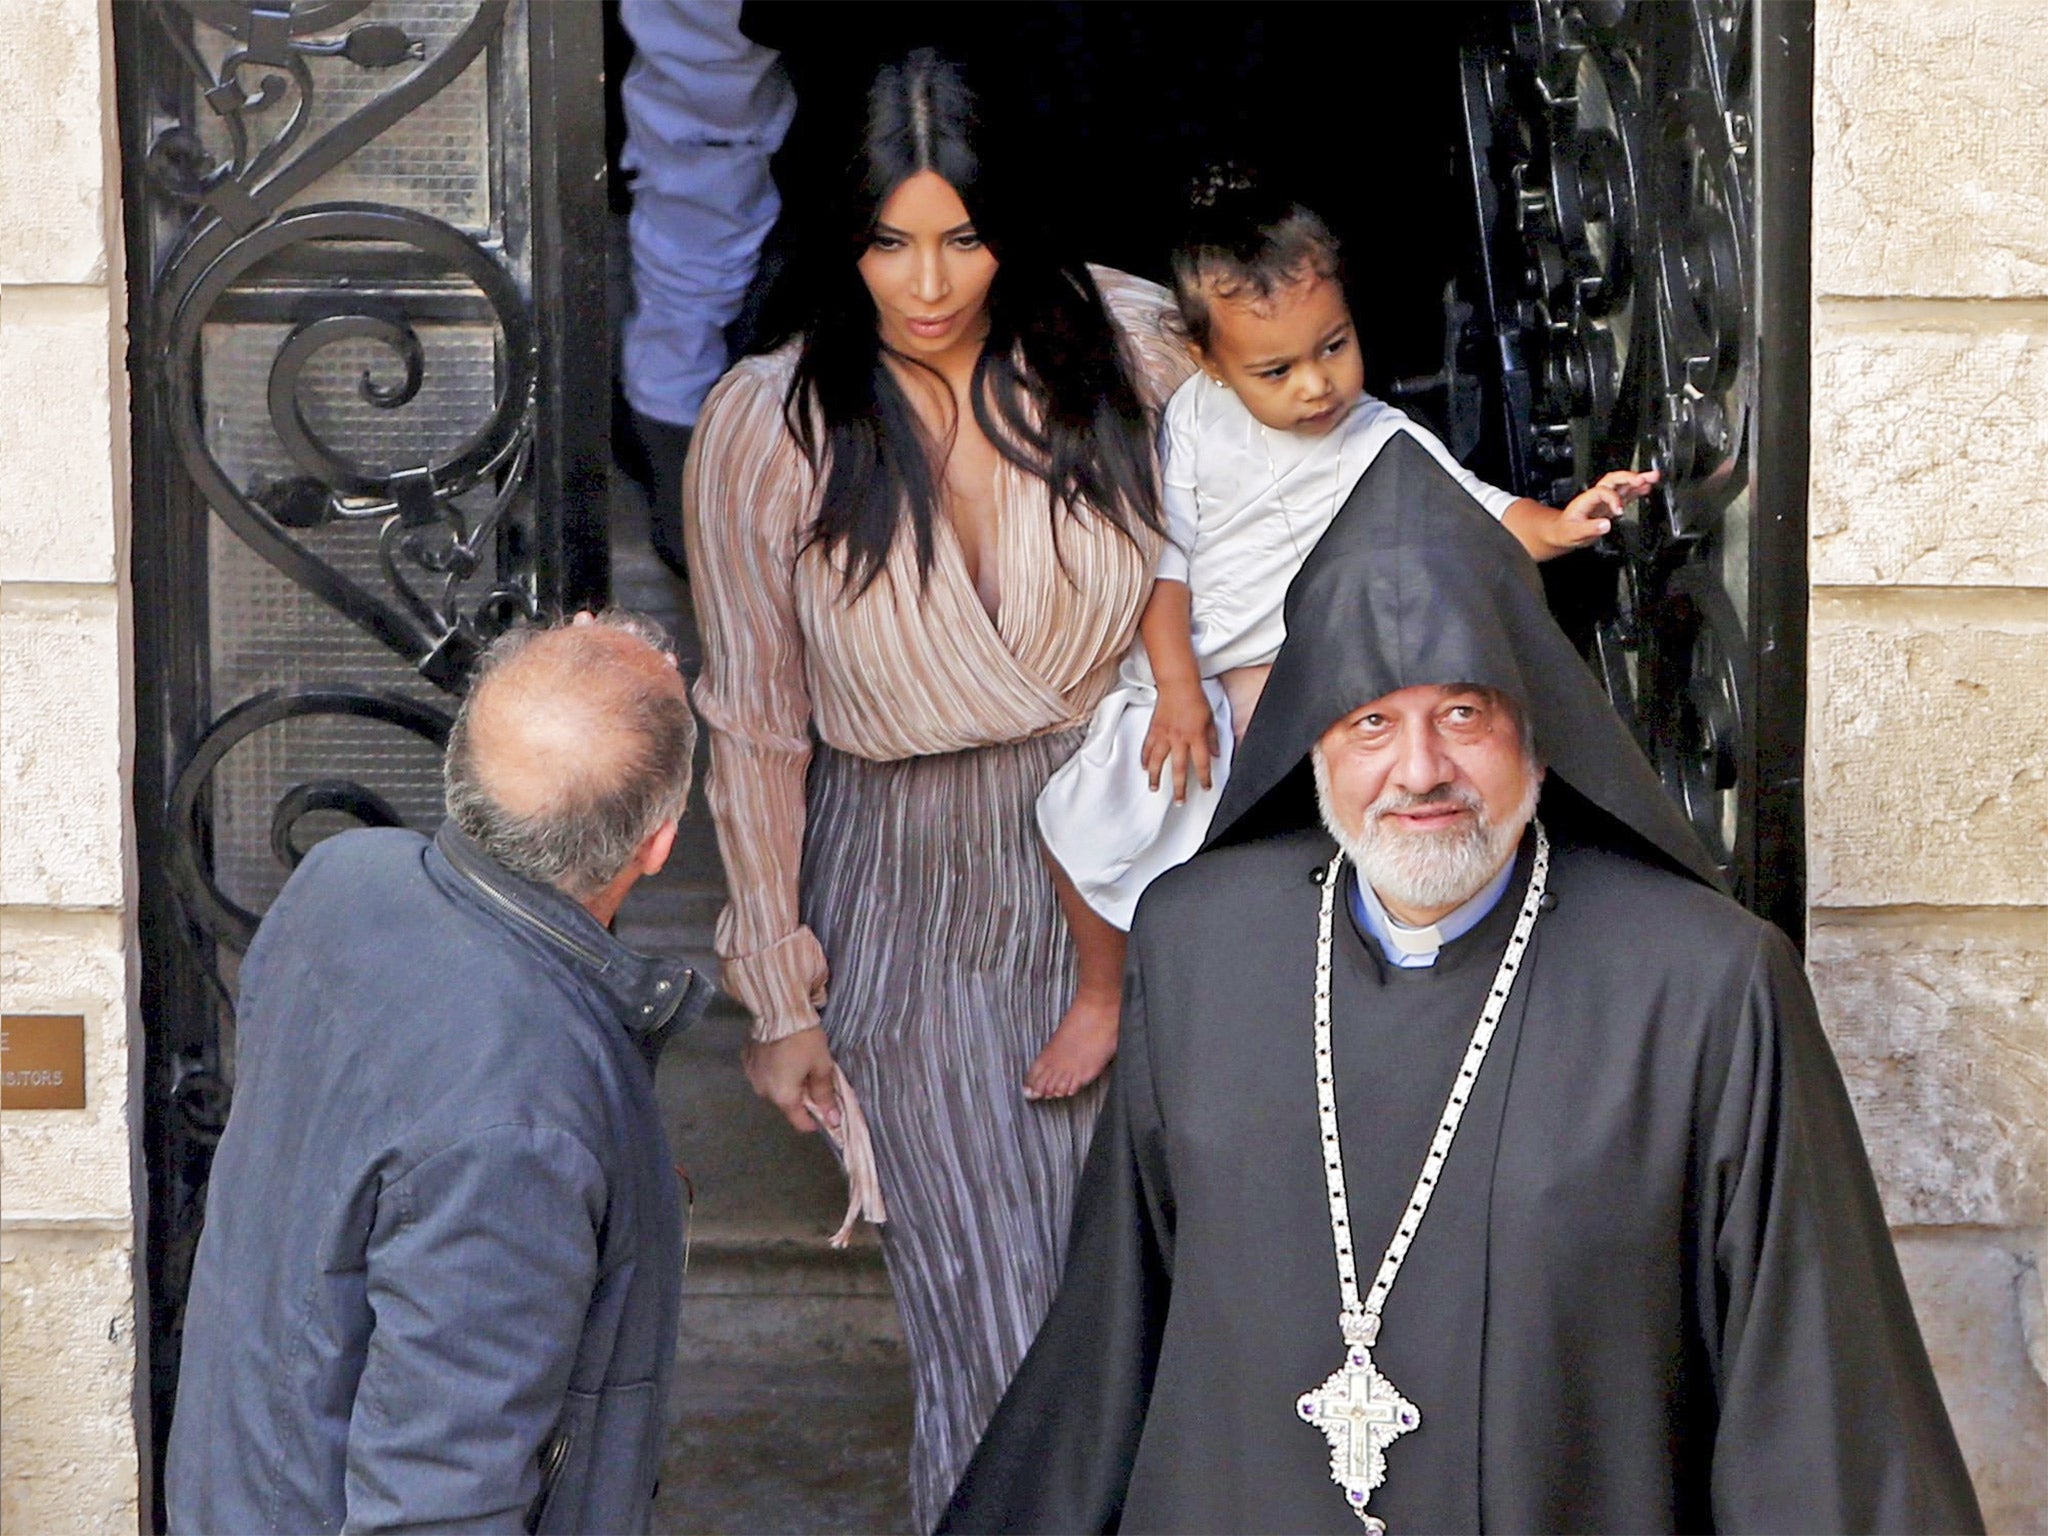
point(920, 536)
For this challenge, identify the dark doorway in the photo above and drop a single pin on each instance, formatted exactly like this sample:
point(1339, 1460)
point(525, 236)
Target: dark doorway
point(1575, 240)
point(1110, 107)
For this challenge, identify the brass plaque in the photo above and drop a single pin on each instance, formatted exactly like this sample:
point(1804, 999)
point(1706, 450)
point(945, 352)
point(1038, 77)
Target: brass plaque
point(42, 1061)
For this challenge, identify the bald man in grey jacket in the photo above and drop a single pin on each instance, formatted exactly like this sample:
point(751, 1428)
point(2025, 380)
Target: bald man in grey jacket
point(438, 1283)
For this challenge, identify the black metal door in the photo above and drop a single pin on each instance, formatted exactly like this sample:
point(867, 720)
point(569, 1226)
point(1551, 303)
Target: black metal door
point(1641, 174)
point(365, 259)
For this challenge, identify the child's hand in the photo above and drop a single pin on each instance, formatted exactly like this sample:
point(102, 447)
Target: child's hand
point(1592, 512)
point(1183, 734)
point(1547, 532)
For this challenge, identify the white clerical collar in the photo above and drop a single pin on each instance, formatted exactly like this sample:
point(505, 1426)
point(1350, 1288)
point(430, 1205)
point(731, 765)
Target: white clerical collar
point(1415, 948)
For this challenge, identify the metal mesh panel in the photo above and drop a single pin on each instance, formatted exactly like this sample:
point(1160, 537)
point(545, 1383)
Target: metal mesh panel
point(436, 159)
point(402, 768)
point(268, 632)
point(457, 389)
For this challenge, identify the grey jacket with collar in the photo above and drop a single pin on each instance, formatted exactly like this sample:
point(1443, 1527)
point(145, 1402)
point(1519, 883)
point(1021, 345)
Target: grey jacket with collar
point(438, 1282)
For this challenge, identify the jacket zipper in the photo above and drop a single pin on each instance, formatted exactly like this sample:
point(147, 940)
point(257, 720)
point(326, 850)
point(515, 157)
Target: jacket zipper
point(552, 1456)
point(513, 908)
point(568, 942)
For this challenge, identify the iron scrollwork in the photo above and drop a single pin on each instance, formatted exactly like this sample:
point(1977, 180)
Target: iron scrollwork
point(210, 906)
point(243, 221)
point(1610, 145)
point(448, 584)
point(234, 112)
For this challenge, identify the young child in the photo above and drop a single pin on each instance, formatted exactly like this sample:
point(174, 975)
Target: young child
point(1259, 450)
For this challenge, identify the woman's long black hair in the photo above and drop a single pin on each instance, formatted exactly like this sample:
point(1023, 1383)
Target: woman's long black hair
point(1051, 389)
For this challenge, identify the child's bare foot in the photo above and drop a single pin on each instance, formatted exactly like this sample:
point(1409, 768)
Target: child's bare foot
point(1079, 1050)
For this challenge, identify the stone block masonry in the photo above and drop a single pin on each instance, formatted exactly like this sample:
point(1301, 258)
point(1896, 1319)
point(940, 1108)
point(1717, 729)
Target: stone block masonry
point(71, 1410)
point(1928, 779)
point(1926, 417)
point(1979, 1305)
point(67, 1393)
point(1929, 122)
point(64, 1167)
point(57, 185)
point(1927, 789)
point(1937, 1018)
point(60, 746)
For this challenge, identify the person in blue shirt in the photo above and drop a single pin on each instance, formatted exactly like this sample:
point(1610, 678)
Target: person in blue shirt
point(705, 110)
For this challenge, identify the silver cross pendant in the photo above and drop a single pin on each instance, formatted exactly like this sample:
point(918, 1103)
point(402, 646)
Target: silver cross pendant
point(1360, 1413)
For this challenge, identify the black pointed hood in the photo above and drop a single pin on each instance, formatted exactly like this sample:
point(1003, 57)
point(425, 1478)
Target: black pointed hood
point(1414, 584)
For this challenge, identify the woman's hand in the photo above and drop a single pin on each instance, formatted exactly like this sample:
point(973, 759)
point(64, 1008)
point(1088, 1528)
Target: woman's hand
point(788, 1071)
point(1183, 734)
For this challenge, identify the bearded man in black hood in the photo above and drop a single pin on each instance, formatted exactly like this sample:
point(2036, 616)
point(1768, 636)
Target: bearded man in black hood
point(1472, 1163)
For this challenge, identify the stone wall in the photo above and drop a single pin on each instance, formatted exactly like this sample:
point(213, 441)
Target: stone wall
point(1928, 797)
point(69, 1400)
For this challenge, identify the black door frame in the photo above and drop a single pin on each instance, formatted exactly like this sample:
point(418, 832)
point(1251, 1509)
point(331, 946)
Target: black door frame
point(177, 203)
point(1642, 175)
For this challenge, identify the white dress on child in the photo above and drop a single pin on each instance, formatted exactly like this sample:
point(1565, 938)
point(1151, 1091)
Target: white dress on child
point(1244, 506)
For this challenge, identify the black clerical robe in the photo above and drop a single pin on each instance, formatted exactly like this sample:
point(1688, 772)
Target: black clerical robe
point(1654, 1291)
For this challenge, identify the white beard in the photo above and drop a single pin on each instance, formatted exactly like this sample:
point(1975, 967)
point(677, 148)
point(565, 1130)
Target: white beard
point(1428, 869)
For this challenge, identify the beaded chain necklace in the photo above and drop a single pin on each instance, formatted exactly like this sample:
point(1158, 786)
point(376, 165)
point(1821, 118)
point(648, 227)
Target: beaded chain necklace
point(1358, 1410)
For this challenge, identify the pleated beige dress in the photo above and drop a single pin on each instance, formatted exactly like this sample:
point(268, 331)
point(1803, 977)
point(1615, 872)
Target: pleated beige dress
point(874, 767)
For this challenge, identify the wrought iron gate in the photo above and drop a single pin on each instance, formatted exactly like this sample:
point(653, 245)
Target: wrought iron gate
point(365, 254)
point(1640, 173)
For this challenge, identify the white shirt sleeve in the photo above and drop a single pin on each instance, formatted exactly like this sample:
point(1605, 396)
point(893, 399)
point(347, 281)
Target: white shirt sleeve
point(1177, 482)
point(1491, 497)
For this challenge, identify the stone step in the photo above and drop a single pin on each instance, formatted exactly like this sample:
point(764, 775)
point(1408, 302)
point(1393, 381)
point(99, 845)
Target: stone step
point(794, 1397)
point(761, 1450)
point(751, 1172)
point(762, 1283)
point(781, 1297)
point(677, 920)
